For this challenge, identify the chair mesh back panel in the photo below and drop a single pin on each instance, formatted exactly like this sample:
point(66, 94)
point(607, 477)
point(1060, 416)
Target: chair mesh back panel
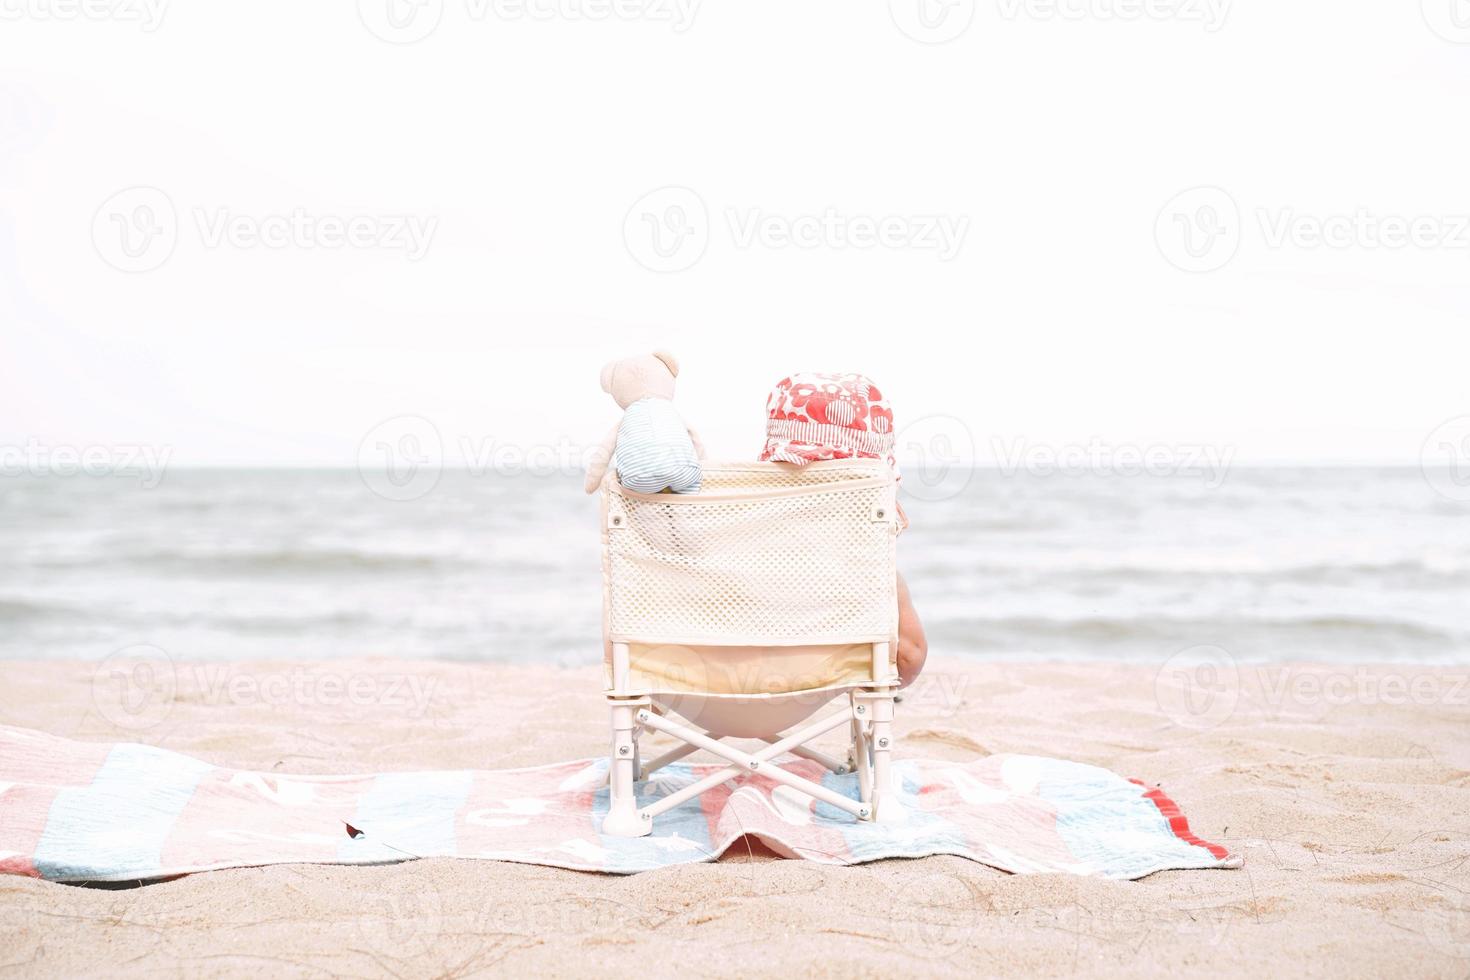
point(767, 553)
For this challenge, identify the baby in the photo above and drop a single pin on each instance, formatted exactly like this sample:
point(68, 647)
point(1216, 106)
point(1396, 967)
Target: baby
point(811, 416)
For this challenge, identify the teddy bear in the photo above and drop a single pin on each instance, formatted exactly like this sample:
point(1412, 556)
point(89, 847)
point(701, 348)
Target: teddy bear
point(652, 449)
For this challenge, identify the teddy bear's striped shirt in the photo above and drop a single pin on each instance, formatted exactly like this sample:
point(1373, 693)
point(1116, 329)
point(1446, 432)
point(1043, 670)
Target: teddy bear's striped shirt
point(654, 451)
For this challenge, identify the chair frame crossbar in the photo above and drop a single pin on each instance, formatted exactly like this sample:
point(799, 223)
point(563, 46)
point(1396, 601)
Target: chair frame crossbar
point(868, 715)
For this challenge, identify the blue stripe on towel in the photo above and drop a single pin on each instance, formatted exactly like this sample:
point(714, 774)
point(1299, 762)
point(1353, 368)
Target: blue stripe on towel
point(408, 814)
point(1107, 822)
point(115, 828)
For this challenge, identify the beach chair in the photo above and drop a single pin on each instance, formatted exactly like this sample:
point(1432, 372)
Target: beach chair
point(741, 611)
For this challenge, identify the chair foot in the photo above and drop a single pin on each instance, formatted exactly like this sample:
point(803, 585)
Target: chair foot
point(888, 809)
point(626, 823)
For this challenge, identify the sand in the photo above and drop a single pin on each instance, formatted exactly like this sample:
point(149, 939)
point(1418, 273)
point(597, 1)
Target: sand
point(1346, 790)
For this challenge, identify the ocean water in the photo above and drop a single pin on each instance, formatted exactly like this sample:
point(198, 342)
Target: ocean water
point(1274, 564)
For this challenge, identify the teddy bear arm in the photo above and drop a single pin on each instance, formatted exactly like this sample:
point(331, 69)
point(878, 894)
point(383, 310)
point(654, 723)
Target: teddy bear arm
point(694, 438)
point(598, 459)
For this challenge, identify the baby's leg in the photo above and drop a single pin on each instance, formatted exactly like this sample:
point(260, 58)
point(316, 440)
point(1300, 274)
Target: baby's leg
point(913, 649)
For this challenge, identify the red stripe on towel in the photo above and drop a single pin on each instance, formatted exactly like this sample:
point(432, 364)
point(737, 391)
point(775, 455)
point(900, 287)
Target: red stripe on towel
point(1176, 820)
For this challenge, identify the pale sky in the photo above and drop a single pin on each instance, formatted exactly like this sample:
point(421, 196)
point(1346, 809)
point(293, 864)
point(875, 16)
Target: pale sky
point(992, 227)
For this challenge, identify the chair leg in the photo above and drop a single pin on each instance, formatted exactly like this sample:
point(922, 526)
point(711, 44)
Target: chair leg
point(622, 814)
point(862, 759)
point(638, 776)
point(887, 807)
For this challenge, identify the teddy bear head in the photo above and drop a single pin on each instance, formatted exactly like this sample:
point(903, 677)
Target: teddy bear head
point(645, 376)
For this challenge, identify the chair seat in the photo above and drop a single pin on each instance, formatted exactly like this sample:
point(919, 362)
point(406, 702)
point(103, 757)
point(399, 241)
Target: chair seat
point(744, 670)
point(727, 716)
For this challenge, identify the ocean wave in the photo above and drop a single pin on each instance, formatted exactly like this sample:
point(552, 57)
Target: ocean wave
point(1342, 565)
point(1165, 569)
point(1240, 634)
point(18, 611)
point(276, 561)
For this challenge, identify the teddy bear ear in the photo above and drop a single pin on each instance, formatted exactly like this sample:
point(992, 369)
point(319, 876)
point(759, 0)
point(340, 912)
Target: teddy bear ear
point(668, 360)
point(607, 376)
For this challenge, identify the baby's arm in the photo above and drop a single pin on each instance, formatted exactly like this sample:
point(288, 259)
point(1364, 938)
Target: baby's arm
point(913, 649)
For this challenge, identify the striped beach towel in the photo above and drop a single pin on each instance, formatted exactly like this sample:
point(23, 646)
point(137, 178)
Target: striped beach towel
point(82, 811)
